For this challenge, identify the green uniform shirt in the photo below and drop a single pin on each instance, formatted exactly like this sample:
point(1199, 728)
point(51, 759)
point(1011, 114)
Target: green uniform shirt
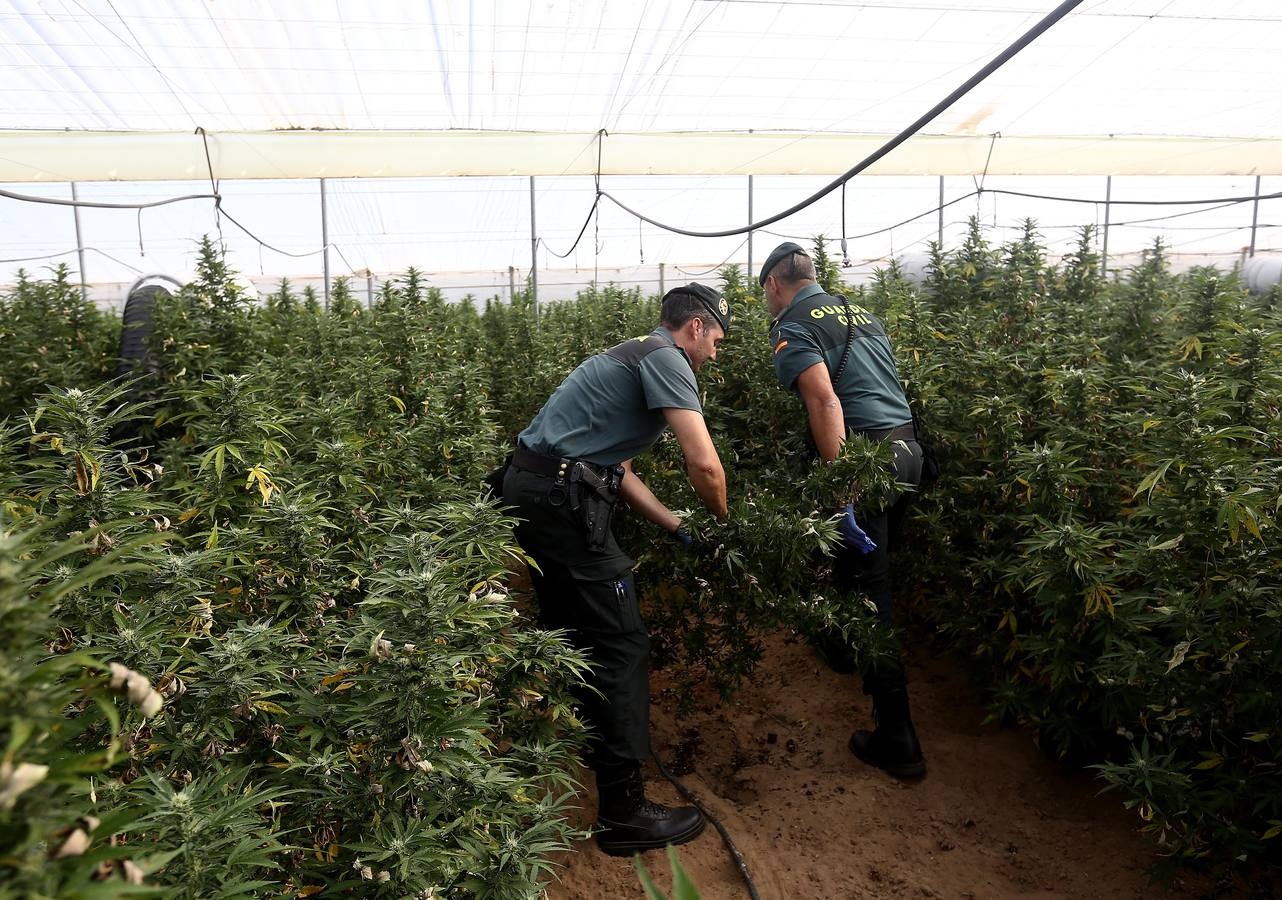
point(813, 330)
point(606, 412)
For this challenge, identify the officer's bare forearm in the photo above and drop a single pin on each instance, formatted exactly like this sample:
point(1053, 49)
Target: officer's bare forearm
point(703, 465)
point(827, 427)
point(823, 409)
point(642, 501)
point(708, 479)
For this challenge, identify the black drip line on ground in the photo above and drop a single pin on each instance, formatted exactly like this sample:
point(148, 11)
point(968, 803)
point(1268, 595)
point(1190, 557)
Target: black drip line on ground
point(690, 797)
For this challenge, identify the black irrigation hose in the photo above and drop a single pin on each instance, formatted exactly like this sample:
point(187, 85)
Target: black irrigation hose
point(996, 63)
point(690, 798)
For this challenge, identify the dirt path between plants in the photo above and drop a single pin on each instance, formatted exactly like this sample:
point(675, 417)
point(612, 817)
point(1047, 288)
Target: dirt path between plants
point(992, 819)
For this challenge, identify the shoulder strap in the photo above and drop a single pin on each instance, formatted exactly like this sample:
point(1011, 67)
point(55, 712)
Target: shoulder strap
point(633, 350)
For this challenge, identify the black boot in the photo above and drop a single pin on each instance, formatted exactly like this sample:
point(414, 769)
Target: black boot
point(628, 823)
point(834, 651)
point(893, 746)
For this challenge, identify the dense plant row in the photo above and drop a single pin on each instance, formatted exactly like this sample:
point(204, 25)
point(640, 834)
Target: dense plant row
point(294, 581)
point(300, 565)
point(1105, 548)
point(49, 334)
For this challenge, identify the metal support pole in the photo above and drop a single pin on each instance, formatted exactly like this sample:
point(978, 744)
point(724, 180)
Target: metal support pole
point(325, 241)
point(511, 283)
point(1108, 212)
point(1255, 216)
point(369, 289)
point(662, 288)
point(941, 213)
point(750, 269)
point(80, 244)
point(534, 250)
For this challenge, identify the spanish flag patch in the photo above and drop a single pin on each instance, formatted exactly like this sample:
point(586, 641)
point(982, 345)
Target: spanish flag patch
point(779, 346)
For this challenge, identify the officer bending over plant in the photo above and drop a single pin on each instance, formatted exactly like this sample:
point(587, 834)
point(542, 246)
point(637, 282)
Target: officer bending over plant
point(571, 465)
point(837, 356)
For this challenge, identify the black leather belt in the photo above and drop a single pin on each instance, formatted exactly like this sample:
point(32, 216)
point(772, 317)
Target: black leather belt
point(551, 466)
point(899, 433)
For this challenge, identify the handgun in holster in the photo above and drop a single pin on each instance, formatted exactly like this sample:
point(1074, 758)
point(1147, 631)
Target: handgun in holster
point(593, 498)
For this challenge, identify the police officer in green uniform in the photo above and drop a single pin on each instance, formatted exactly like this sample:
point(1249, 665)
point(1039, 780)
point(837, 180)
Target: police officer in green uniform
point(837, 356)
point(571, 465)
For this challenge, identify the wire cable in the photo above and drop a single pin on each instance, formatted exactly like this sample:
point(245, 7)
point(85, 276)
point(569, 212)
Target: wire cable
point(693, 800)
point(718, 266)
point(68, 253)
point(1227, 201)
point(1215, 202)
point(993, 65)
point(213, 186)
point(586, 222)
point(275, 249)
point(98, 204)
point(854, 237)
point(845, 250)
point(596, 202)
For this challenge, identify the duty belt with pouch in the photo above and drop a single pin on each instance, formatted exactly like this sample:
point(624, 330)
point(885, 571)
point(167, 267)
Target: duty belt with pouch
point(590, 489)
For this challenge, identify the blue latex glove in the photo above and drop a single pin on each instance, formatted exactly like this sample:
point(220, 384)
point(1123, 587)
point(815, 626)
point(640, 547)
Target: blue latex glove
point(682, 537)
point(853, 534)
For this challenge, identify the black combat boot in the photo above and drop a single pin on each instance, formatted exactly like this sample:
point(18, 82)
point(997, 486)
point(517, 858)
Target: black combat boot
point(893, 746)
point(628, 823)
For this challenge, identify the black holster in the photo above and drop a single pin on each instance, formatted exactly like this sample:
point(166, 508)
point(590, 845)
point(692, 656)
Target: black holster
point(590, 489)
point(592, 496)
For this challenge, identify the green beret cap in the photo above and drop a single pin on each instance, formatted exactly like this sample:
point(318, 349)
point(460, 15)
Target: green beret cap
point(777, 255)
point(712, 301)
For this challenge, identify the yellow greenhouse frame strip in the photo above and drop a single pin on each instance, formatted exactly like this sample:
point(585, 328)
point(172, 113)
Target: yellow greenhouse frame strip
point(59, 156)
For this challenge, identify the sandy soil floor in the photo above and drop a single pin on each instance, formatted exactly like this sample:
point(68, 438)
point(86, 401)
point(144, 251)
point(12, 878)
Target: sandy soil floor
point(992, 818)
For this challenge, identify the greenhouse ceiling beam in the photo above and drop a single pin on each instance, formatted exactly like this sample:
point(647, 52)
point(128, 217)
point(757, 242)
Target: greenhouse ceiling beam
point(38, 156)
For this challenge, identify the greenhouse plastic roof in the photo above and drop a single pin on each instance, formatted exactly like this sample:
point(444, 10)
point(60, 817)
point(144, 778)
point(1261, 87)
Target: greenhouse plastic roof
point(303, 88)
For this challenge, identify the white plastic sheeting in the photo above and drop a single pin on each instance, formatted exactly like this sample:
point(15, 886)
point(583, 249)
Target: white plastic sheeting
point(148, 156)
point(1113, 67)
point(98, 91)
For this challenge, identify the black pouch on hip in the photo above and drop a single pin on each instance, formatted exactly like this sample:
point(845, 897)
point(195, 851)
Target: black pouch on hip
point(492, 483)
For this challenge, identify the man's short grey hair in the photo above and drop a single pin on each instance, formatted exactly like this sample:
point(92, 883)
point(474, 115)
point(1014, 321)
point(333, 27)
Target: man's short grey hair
point(793, 268)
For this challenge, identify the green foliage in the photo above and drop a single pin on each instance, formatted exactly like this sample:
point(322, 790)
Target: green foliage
point(827, 273)
point(1105, 547)
point(60, 727)
point(682, 887)
point(50, 336)
point(352, 701)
